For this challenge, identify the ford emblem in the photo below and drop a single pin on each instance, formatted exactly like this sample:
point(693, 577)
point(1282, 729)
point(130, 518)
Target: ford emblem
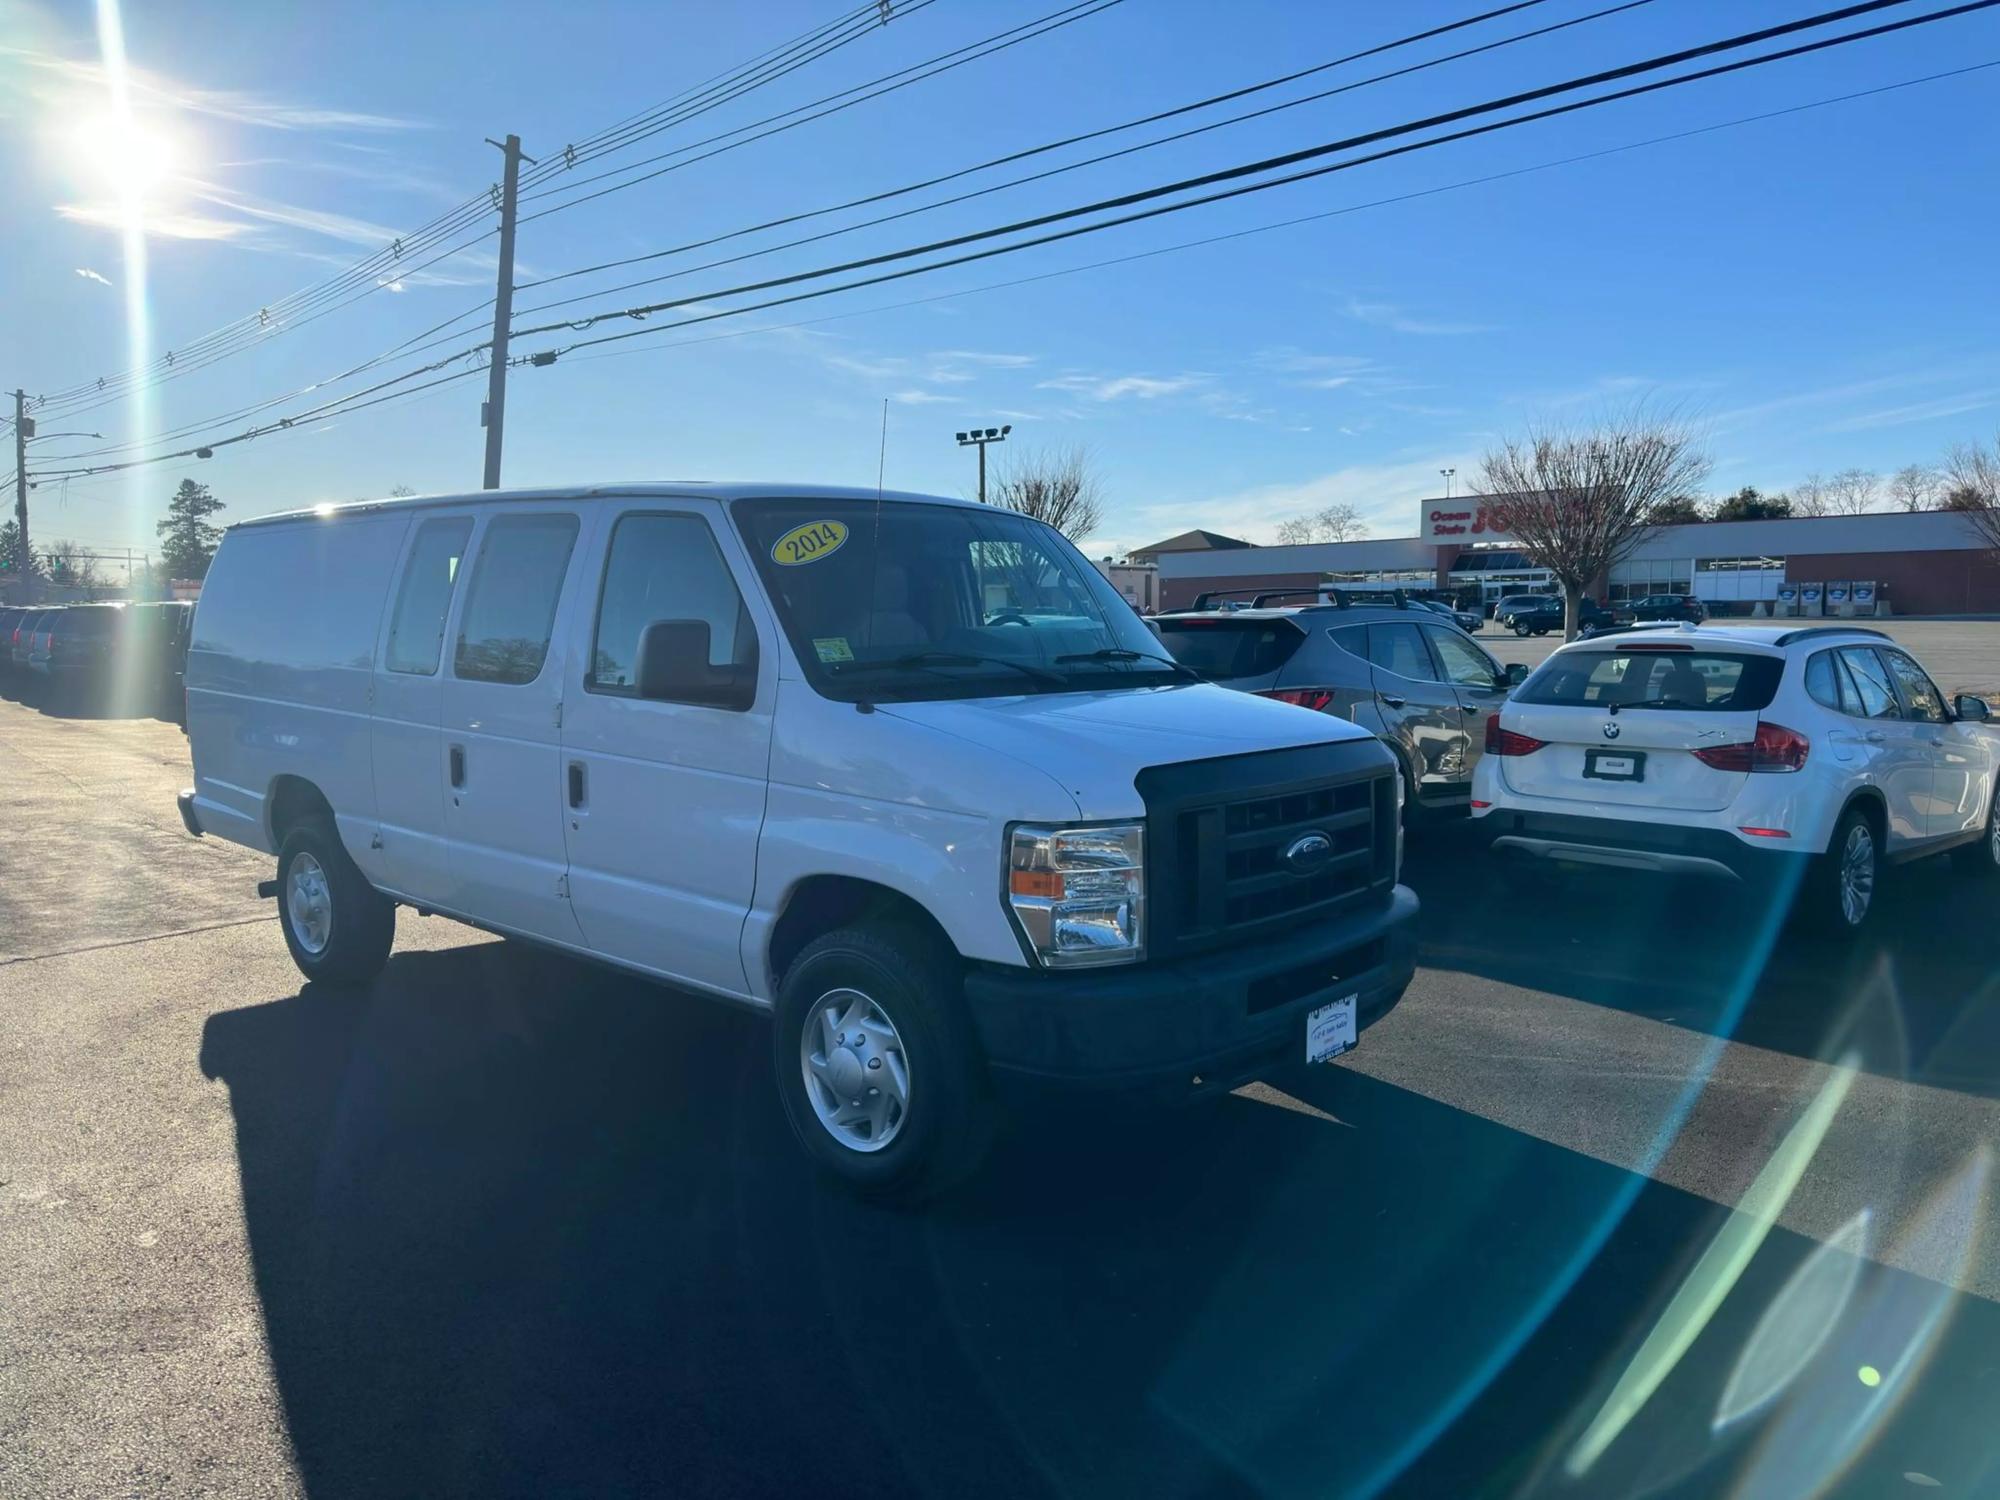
point(1611, 729)
point(1308, 853)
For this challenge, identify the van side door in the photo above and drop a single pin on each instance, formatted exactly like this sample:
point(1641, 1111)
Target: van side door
point(406, 732)
point(664, 795)
point(501, 745)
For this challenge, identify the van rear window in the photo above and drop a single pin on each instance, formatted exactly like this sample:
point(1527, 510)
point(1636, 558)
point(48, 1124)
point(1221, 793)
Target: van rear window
point(1222, 649)
point(1712, 681)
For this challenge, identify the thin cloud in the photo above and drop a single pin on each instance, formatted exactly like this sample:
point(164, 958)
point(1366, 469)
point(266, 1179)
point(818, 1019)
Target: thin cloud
point(89, 275)
point(1392, 317)
point(980, 357)
point(1922, 411)
point(168, 226)
point(1117, 387)
point(922, 398)
point(223, 104)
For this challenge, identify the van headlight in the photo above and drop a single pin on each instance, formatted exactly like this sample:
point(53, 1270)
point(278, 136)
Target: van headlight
point(1078, 895)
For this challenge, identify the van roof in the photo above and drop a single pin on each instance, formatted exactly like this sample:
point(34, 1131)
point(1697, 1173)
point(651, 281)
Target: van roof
point(691, 489)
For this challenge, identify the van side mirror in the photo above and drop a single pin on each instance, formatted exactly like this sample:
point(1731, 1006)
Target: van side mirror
point(1973, 710)
point(673, 667)
point(1517, 673)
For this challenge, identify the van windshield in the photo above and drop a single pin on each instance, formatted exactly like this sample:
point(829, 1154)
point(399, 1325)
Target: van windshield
point(911, 601)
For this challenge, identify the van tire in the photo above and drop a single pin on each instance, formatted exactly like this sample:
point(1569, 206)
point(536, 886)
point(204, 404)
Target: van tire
point(915, 983)
point(340, 928)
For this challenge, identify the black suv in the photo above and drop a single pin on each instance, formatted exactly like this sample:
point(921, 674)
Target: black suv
point(1663, 607)
point(1538, 614)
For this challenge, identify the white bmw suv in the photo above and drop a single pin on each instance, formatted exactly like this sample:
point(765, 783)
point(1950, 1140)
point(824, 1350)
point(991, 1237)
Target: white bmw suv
point(1732, 751)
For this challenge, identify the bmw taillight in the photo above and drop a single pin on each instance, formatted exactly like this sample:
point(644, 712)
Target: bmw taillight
point(1774, 748)
point(1509, 741)
point(1315, 699)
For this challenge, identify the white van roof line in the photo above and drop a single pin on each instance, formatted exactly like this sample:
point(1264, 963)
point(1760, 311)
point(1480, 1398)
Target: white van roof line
point(692, 489)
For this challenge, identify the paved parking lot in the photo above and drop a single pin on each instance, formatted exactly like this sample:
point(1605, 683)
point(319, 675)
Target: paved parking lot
point(510, 1225)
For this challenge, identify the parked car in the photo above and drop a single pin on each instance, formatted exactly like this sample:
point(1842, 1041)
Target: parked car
point(1465, 619)
point(1662, 607)
point(10, 621)
point(906, 773)
point(1538, 614)
point(33, 655)
point(157, 642)
point(1743, 753)
point(1416, 681)
point(76, 650)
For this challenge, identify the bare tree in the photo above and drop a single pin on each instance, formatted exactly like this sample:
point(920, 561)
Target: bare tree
point(1334, 523)
point(1810, 497)
point(1972, 487)
point(1055, 485)
point(1852, 492)
point(68, 563)
point(1578, 501)
point(1915, 487)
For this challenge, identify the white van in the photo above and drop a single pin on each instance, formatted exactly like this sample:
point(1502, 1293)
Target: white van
point(905, 771)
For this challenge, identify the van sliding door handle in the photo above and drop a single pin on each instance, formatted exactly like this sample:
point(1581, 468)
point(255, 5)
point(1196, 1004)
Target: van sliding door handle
point(576, 785)
point(458, 766)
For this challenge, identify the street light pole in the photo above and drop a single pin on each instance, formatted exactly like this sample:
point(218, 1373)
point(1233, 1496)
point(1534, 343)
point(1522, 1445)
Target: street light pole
point(1447, 481)
point(979, 437)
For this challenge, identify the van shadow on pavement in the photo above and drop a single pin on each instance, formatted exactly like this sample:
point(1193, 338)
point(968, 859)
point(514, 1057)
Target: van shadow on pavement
point(522, 1227)
point(1917, 998)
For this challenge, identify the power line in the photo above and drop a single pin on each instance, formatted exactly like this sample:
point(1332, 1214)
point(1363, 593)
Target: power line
point(283, 315)
point(1011, 157)
point(1027, 32)
point(355, 402)
point(1291, 158)
point(1088, 161)
point(1246, 189)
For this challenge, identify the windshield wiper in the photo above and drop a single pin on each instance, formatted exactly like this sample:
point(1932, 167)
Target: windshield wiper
point(1656, 703)
point(1122, 653)
point(924, 659)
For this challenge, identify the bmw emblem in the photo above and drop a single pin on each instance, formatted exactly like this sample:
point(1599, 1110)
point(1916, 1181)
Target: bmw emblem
point(1308, 853)
point(1611, 729)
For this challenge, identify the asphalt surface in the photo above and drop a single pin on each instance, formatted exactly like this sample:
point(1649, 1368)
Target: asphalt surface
point(1632, 1195)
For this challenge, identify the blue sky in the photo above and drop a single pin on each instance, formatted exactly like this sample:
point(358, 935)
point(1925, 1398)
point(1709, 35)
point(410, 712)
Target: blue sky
point(1818, 290)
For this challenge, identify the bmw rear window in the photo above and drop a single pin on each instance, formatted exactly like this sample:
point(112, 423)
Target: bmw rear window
point(1679, 679)
point(1223, 648)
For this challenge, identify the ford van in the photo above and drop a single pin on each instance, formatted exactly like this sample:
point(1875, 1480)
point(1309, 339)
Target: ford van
point(906, 773)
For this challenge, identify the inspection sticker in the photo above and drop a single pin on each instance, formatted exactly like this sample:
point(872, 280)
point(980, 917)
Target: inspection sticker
point(832, 648)
point(808, 543)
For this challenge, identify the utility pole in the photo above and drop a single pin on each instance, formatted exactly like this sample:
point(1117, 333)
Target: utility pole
point(981, 436)
point(22, 427)
point(494, 416)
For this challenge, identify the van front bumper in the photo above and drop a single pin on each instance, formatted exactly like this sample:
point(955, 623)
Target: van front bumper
point(1197, 1025)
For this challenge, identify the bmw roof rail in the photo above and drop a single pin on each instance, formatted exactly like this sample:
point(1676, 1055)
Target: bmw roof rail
point(1785, 638)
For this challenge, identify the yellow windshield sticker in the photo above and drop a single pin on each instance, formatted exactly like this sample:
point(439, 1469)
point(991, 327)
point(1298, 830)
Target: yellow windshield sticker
point(808, 543)
point(833, 648)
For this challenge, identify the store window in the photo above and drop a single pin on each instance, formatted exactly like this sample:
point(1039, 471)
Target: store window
point(1639, 577)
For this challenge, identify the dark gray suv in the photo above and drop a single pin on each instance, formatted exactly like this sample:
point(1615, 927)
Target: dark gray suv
point(1418, 681)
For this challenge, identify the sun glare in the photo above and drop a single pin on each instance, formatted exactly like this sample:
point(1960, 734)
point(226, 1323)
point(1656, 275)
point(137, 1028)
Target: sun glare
point(129, 157)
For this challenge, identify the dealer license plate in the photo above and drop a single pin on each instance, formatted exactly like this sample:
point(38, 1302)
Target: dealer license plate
point(1615, 765)
point(1330, 1029)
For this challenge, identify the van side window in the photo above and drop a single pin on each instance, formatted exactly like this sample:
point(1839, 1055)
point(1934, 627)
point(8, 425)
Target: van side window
point(664, 568)
point(416, 630)
point(504, 635)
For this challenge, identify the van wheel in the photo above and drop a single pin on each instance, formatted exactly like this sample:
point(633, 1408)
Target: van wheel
point(1983, 858)
point(877, 1066)
point(1847, 884)
point(338, 926)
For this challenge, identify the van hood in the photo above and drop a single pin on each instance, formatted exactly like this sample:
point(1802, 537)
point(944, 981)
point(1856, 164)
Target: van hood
point(1095, 744)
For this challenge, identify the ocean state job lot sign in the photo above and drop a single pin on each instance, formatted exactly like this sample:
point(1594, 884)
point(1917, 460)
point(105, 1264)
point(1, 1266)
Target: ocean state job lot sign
point(1463, 521)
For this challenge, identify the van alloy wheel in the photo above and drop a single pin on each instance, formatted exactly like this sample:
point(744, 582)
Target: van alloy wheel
point(309, 904)
point(856, 1070)
point(1857, 874)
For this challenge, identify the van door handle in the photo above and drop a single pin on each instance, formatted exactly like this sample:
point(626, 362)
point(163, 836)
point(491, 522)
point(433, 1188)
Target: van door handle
point(1393, 701)
point(576, 786)
point(458, 766)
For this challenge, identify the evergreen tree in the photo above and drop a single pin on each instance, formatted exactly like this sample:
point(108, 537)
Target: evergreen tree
point(188, 542)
